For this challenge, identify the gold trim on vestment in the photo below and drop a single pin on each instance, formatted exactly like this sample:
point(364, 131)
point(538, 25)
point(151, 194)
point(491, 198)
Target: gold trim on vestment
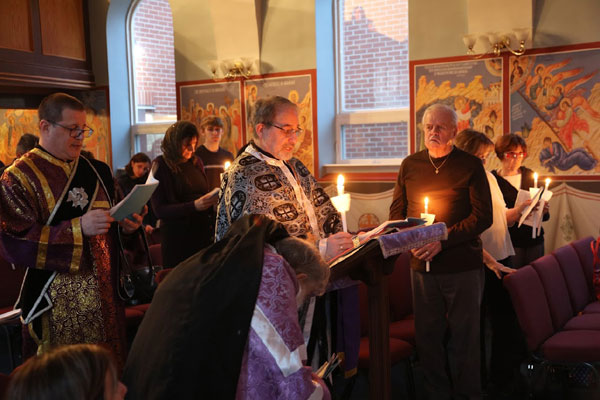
point(40, 262)
point(67, 167)
point(50, 201)
point(34, 336)
point(43, 345)
point(77, 245)
point(22, 178)
point(101, 204)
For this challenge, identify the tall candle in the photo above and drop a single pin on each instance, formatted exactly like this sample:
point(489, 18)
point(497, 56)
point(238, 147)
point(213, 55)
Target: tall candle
point(547, 183)
point(340, 184)
point(535, 178)
point(426, 203)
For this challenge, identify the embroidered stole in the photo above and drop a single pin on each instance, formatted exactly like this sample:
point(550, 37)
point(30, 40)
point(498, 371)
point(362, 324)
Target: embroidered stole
point(75, 200)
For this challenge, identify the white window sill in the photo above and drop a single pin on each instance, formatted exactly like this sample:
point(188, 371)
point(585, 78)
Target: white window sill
point(371, 171)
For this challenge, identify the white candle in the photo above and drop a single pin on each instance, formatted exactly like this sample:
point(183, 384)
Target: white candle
point(535, 178)
point(426, 203)
point(340, 184)
point(547, 183)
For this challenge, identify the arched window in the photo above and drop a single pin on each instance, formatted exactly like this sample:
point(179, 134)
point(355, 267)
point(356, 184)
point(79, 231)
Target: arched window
point(372, 117)
point(152, 71)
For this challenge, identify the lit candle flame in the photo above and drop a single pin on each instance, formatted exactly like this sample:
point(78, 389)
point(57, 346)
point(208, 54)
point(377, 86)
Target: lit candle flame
point(548, 182)
point(426, 203)
point(227, 165)
point(535, 179)
point(340, 184)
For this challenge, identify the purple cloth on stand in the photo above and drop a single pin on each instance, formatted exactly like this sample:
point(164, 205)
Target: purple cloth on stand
point(411, 238)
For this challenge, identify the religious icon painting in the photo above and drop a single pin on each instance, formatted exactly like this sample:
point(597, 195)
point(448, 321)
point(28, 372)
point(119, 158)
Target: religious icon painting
point(298, 88)
point(222, 99)
point(97, 118)
point(473, 88)
point(555, 106)
point(13, 124)
point(16, 122)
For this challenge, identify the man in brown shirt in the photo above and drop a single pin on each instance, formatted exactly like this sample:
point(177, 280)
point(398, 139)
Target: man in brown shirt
point(446, 299)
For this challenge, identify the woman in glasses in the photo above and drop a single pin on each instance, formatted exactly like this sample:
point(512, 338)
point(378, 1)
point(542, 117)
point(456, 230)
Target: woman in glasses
point(511, 149)
point(182, 200)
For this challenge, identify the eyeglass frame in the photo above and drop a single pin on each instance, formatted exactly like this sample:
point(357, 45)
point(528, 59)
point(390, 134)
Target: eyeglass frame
point(287, 131)
point(522, 154)
point(82, 132)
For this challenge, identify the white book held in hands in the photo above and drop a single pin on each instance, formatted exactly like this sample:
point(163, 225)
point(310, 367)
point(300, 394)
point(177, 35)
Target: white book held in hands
point(135, 201)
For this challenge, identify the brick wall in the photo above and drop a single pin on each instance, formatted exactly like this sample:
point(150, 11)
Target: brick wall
point(375, 74)
point(376, 141)
point(152, 31)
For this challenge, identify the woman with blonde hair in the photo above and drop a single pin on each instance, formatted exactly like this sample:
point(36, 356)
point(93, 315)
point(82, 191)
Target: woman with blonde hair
point(182, 200)
point(76, 372)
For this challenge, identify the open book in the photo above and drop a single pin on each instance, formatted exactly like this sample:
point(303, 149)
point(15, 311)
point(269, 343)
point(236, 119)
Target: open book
point(527, 215)
point(362, 239)
point(135, 201)
point(399, 223)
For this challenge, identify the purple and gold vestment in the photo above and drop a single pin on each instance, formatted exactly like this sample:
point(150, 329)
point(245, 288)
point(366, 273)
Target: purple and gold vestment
point(68, 295)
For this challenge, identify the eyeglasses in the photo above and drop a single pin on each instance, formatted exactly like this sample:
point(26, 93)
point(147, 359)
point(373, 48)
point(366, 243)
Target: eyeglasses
point(76, 132)
point(289, 132)
point(513, 154)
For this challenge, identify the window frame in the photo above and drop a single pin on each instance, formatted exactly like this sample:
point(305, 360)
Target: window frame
point(360, 117)
point(138, 128)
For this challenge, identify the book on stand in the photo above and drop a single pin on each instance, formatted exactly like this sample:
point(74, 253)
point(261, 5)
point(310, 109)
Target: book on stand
point(394, 237)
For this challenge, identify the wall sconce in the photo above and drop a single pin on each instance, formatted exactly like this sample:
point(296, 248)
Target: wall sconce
point(231, 69)
point(494, 42)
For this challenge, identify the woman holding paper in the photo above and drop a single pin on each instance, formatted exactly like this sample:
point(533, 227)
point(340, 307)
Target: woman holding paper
point(182, 200)
point(511, 149)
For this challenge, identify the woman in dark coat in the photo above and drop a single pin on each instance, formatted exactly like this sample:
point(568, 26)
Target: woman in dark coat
point(181, 201)
point(136, 173)
point(511, 149)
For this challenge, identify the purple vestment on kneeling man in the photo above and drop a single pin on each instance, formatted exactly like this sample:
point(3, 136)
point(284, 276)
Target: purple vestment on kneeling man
point(273, 361)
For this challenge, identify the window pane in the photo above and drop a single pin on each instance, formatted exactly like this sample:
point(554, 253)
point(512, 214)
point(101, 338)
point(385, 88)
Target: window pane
point(375, 141)
point(374, 54)
point(149, 144)
point(154, 61)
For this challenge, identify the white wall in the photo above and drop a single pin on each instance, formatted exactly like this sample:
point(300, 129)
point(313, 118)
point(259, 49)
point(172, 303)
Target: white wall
point(436, 27)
